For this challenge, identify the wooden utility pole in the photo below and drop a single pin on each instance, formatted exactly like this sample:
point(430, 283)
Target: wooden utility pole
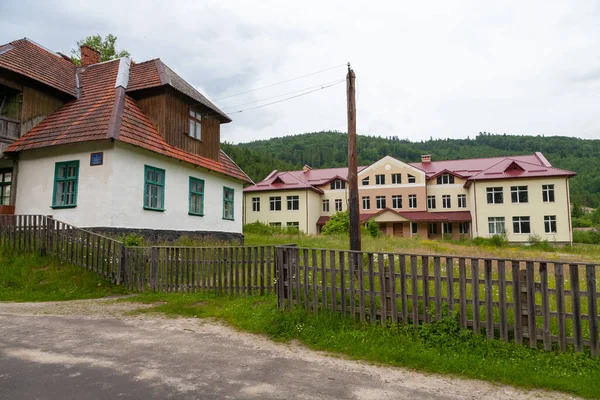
point(352, 163)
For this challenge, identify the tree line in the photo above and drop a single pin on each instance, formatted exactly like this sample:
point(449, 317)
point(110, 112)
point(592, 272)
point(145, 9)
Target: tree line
point(329, 149)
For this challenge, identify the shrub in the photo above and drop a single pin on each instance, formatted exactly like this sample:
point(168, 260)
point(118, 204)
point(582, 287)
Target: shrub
point(373, 228)
point(133, 239)
point(339, 223)
point(258, 228)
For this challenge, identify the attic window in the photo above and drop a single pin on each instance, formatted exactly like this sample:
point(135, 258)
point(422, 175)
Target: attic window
point(10, 103)
point(195, 124)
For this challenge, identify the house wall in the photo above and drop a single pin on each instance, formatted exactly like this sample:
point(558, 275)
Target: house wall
point(37, 105)
point(332, 195)
point(112, 194)
point(128, 194)
point(305, 216)
point(169, 112)
point(388, 166)
point(535, 208)
point(95, 185)
point(433, 189)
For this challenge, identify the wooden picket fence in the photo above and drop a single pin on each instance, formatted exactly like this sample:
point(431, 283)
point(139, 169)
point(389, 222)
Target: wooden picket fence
point(226, 270)
point(550, 304)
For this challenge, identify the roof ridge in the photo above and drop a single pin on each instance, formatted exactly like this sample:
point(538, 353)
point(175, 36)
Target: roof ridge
point(230, 159)
point(42, 47)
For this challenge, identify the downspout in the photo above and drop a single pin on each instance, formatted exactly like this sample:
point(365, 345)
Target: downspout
point(306, 203)
point(476, 219)
point(569, 212)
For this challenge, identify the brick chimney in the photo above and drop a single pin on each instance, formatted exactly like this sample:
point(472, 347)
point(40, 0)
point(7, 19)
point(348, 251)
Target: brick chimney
point(306, 168)
point(89, 56)
point(426, 158)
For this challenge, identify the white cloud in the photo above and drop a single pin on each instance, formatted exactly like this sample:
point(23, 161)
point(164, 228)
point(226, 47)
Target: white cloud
point(449, 69)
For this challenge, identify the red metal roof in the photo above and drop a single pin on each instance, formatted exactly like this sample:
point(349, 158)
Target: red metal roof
point(421, 216)
point(511, 168)
point(105, 112)
point(455, 216)
point(35, 62)
point(325, 218)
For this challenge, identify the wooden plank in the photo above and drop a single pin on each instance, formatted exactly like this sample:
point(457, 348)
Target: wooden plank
point(315, 288)
point(342, 263)
point(324, 278)
point(450, 283)
point(403, 293)
point(305, 281)
point(531, 304)
point(296, 275)
point(269, 266)
point(382, 291)
point(256, 270)
point(437, 274)
point(559, 280)
point(289, 263)
point(332, 273)
point(237, 271)
point(545, 307)
point(415, 290)
point(592, 308)
point(391, 288)
point(361, 288)
point(371, 271)
point(352, 268)
point(516, 284)
point(502, 300)
point(462, 291)
point(475, 294)
point(425, 269)
point(576, 306)
point(489, 306)
point(262, 270)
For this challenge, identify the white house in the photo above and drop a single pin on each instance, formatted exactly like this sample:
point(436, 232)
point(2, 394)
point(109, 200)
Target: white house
point(115, 147)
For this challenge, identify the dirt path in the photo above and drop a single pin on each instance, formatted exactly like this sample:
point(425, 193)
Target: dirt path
point(92, 349)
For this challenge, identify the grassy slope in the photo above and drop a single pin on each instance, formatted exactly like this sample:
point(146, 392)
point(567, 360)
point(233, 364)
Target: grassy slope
point(467, 248)
point(29, 277)
point(439, 347)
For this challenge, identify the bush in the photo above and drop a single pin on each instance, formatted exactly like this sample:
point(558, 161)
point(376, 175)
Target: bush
point(339, 223)
point(373, 228)
point(587, 237)
point(133, 239)
point(498, 240)
point(258, 228)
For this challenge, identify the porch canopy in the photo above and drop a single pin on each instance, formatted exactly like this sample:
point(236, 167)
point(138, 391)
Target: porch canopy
point(391, 215)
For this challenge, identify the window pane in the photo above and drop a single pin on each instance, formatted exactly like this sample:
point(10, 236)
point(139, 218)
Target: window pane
point(8, 177)
point(198, 131)
point(192, 114)
point(192, 125)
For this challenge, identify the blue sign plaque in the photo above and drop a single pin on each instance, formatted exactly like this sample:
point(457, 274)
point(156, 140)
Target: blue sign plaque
point(96, 158)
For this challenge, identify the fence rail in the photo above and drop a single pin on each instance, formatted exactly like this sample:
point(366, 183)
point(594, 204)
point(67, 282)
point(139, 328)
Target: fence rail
point(227, 270)
point(539, 303)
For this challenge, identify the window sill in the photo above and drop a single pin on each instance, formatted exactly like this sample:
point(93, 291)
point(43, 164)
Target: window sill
point(196, 214)
point(192, 137)
point(154, 209)
point(59, 207)
point(229, 219)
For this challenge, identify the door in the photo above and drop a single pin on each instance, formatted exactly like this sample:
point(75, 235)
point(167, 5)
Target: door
point(398, 229)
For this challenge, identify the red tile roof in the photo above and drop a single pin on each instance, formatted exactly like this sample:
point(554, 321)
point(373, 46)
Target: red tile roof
point(105, 112)
point(33, 61)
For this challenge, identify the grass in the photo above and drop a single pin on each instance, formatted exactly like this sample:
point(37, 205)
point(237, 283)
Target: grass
point(469, 248)
point(439, 347)
point(30, 277)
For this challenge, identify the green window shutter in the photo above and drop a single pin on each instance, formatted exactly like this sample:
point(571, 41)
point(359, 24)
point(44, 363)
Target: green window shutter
point(154, 188)
point(228, 206)
point(196, 197)
point(66, 177)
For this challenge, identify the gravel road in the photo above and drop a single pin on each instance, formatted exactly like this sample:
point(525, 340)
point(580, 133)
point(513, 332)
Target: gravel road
point(92, 349)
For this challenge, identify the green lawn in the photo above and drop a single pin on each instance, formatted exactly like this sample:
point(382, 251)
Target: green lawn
point(30, 277)
point(440, 347)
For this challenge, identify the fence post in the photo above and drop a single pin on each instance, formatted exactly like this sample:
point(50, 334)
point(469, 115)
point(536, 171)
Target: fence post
point(153, 268)
point(281, 266)
point(47, 242)
point(122, 275)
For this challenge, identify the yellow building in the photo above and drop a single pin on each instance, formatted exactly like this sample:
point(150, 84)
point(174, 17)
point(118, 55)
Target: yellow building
point(516, 196)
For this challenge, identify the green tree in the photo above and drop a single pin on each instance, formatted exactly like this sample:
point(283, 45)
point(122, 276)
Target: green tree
point(105, 46)
point(339, 223)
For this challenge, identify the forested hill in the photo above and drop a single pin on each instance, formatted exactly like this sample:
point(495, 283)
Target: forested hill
point(330, 149)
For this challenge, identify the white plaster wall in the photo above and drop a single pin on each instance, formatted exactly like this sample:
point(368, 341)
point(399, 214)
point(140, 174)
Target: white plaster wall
point(35, 183)
point(128, 194)
point(536, 209)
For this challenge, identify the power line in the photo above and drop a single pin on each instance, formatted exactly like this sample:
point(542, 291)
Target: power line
point(288, 98)
point(320, 86)
point(279, 83)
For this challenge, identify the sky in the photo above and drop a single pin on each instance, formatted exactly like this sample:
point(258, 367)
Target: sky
point(435, 69)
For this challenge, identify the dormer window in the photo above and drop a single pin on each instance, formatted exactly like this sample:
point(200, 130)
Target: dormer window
point(445, 179)
point(195, 124)
point(338, 184)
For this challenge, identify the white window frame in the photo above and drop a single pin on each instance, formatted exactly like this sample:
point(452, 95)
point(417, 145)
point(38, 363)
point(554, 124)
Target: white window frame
point(516, 192)
point(446, 201)
point(461, 200)
point(463, 228)
point(519, 222)
point(411, 178)
point(338, 205)
point(445, 179)
point(380, 202)
point(431, 202)
point(397, 201)
point(446, 228)
point(495, 191)
point(548, 194)
point(338, 184)
point(365, 181)
point(550, 224)
point(414, 228)
point(366, 202)
point(412, 201)
point(380, 179)
point(273, 202)
point(293, 203)
point(496, 225)
point(195, 124)
point(325, 205)
point(256, 204)
point(396, 178)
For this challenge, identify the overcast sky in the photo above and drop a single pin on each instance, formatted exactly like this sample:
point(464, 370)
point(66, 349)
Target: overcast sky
point(424, 69)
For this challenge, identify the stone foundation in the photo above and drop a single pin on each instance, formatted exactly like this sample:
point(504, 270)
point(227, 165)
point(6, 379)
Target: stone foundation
point(186, 238)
